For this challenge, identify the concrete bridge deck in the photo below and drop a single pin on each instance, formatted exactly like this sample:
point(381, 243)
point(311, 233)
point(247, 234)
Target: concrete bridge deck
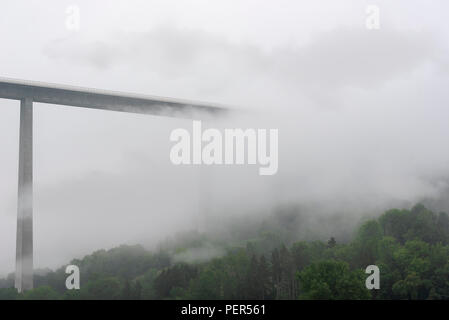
point(28, 92)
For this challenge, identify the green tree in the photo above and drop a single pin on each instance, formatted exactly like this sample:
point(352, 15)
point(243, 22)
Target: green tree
point(107, 288)
point(332, 280)
point(41, 293)
point(264, 278)
point(366, 244)
point(8, 294)
point(331, 243)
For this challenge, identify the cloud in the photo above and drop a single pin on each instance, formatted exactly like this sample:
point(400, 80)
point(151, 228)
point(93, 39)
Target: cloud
point(318, 70)
point(199, 254)
point(362, 118)
point(356, 58)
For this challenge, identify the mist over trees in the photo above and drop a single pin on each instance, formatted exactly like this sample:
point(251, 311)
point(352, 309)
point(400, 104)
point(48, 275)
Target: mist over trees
point(411, 248)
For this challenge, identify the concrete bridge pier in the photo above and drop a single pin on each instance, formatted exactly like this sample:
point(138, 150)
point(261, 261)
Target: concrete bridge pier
point(28, 92)
point(24, 249)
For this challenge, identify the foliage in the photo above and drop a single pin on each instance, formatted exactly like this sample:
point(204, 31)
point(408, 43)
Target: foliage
point(411, 248)
point(332, 280)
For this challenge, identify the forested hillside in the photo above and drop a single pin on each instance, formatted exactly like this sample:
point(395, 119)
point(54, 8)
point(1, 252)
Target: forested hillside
point(411, 248)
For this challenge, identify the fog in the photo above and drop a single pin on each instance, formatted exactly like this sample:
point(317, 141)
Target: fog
point(362, 115)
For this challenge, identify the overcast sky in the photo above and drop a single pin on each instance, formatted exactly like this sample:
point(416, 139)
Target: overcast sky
point(362, 114)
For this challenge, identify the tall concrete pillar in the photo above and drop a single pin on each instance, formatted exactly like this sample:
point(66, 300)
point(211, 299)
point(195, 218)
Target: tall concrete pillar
point(24, 250)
